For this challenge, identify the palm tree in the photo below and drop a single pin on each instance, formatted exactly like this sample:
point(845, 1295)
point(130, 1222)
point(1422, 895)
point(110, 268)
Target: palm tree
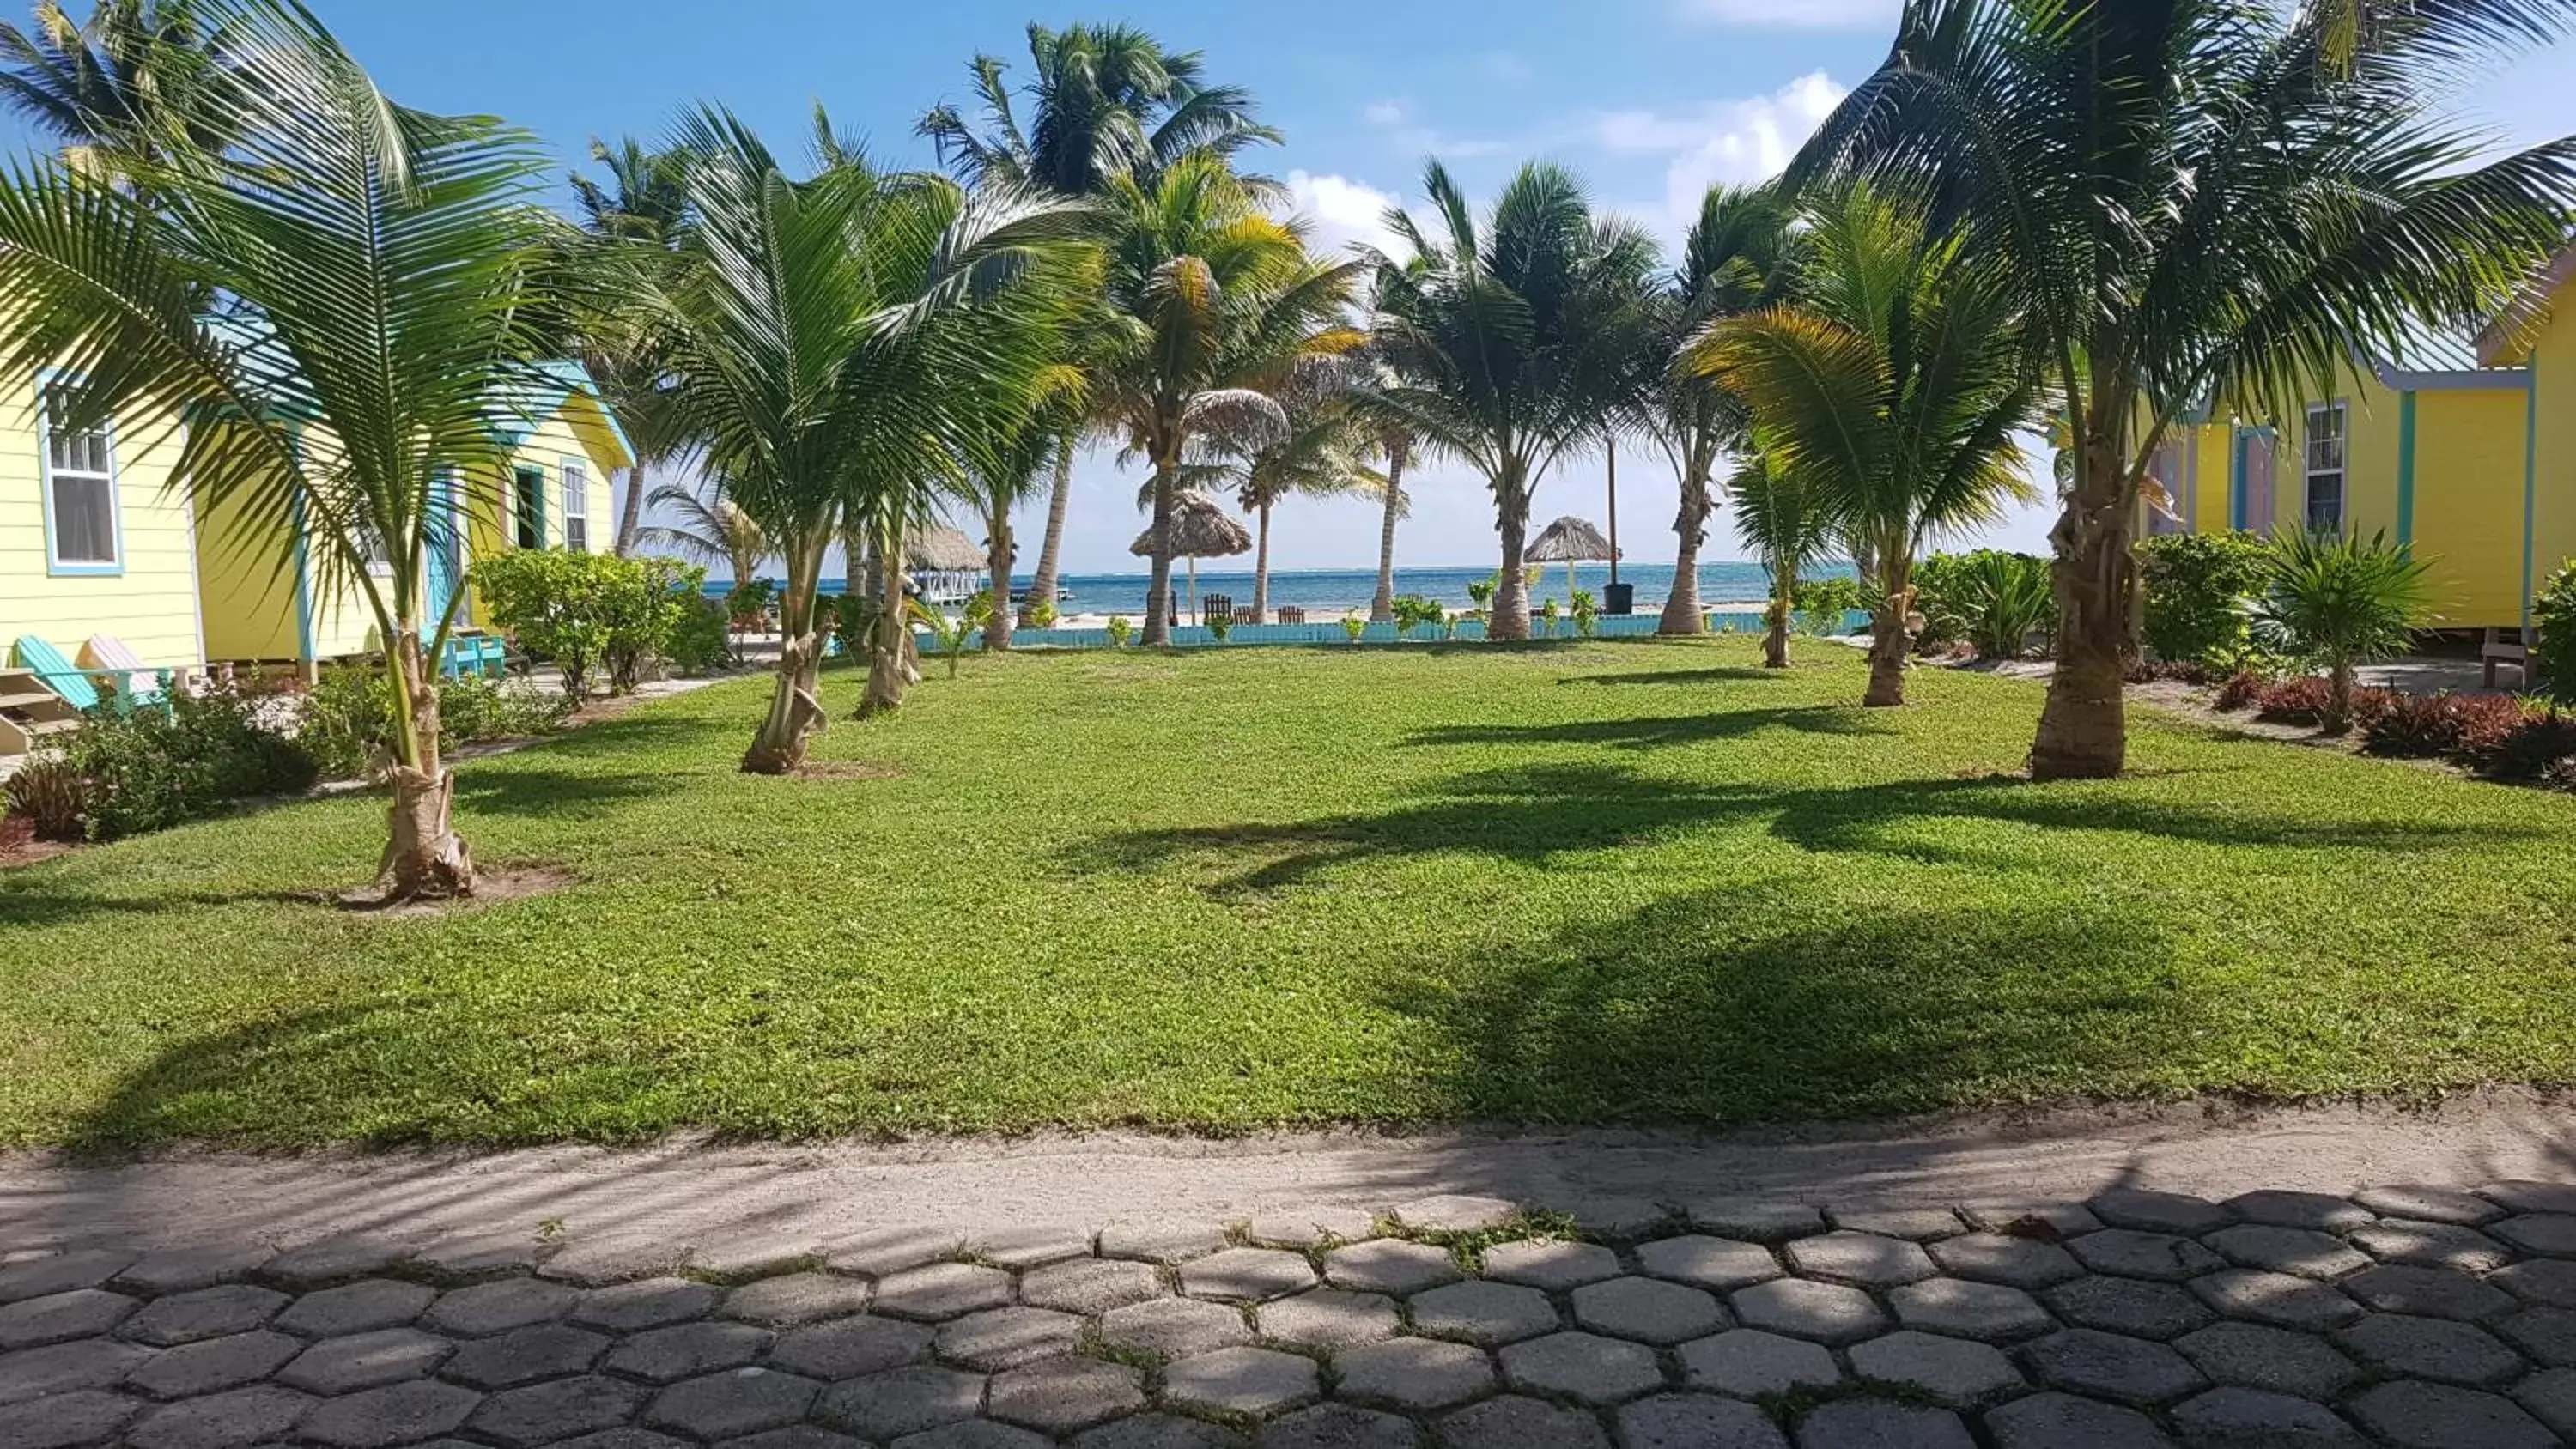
point(1515, 341)
point(708, 527)
point(1739, 255)
point(2191, 198)
point(1103, 101)
point(643, 205)
point(834, 345)
point(2341, 601)
point(1789, 524)
point(1317, 454)
point(1211, 307)
point(1014, 472)
point(374, 263)
point(136, 78)
point(1895, 387)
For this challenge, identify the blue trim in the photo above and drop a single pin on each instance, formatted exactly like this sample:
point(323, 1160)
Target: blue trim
point(54, 565)
point(2530, 476)
point(2405, 467)
point(2236, 483)
point(303, 584)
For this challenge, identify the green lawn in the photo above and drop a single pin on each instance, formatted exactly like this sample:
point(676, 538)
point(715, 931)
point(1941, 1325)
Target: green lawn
point(1581, 883)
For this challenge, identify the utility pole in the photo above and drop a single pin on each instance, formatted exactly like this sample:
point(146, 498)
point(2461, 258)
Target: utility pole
point(1613, 445)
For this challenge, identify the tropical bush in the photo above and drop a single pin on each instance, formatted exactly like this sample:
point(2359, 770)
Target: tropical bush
point(1353, 626)
point(588, 611)
point(851, 616)
point(2335, 601)
point(348, 718)
point(1219, 626)
point(2553, 612)
point(2445, 725)
point(702, 642)
point(1041, 613)
point(149, 769)
point(49, 795)
point(2243, 690)
point(1547, 616)
point(2309, 700)
point(1119, 630)
point(1836, 596)
point(1412, 610)
point(2200, 591)
point(1989, 599)
point(2528, 751)
point(645, 605)
point(748, 602)
point(1587, 614)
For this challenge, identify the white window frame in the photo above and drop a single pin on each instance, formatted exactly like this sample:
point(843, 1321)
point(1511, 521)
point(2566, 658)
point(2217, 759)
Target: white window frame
point(576, 503)
point(2340, 469)
point(49, 472)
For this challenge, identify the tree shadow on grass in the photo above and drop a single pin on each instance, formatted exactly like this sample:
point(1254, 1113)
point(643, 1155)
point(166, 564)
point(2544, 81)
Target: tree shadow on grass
point(558, 794)
point(1846, 721)
point(1736, 674)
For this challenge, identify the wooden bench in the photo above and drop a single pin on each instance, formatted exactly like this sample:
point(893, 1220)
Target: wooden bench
point(1291, 614)
point(2500, 650)
point(1216, 606)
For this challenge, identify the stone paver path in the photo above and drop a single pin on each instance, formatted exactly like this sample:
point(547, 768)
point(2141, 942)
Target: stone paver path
point(2406, 1316)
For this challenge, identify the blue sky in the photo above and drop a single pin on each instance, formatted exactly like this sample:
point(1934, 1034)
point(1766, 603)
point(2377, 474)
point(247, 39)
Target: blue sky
point(1650, 100)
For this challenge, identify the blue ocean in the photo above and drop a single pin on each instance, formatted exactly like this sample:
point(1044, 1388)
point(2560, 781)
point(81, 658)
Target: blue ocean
point(1330, 593)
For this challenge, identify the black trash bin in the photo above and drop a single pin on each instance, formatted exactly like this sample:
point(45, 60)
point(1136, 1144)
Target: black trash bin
point(1618, 598)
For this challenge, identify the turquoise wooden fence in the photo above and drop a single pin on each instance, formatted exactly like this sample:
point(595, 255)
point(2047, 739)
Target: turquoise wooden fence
point(1622, 626)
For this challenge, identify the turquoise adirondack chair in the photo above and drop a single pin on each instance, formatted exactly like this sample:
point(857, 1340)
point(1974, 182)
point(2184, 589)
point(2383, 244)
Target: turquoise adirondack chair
point(59, 674)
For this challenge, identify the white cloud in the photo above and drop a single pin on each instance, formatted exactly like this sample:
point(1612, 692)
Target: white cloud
point(1797, 14)
point(1386, 113)
point(1735, 141)
point(1342, 211)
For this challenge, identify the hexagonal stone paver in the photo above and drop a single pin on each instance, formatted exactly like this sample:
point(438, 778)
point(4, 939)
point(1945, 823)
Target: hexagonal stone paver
point(1915, 1225)
point(525, 1355)
point(901, 1401)
point(1143, 1431)
point(1581, 1366)
point(544, 1413)
point(1648, 1309)
point(643, 1303)
point(2431, 1245)
point(686, 1350)
point(1953, 1370)
point(205, 1313)
point(1305, 1227)
point(1513, 1422)
point(2544, 1280)
point(1002, 1338)
point(2050, 1221)
point(469, 1257)
point(2159, 1212)
point(1386, 1265)
point(794, 1436)
point(63, 1272)
point(1333, 1318)
point(1341, 1426)
point(213, 1364)
point(2548, 1234)
point(2129, 1305)
point(1864, 1259)
point(2112, 1366)
point(796, 1298)
point(1065, 1394)
point(2430, 1348)
point(1249, 1275)
point(1752, 1364)
point(1552, 1266)
point(2550, 1396)
point(1490, 1313)
point(1720, 1264)
point(2252, 1419)
point(1032, 1247)
point(78, 1313)
point(1419, 1374)
point(58, 1368)
point(356, 1308)
point(985, 1434)
point(365, 1360)
point(2546, 1335)
point(1877, 1424)
point(489, 1308)
point(2315, 1210)
point(1696, 1421)
point(2436, 1416)
point(2429, 1204)
point(394, 1414)
point(2427, 1292)
point(335, 1260)
point(1165, 1243)
point(1174, 1327)
point(1825, 1312)
point(1456, 1213)
point(1760, 1220)
point(1999, 1258)
point(2300, 1251)
point(2277, 1299)
point(62, 1420)
point(1255, 1382)
point(738, 1401)
point(1090, 1286)
point(2131, 1254)
point(846, 1348)
point(942, 1290)
point(1987, 1312)
point(617, 1257)
point(2526, 1195)
point(2063, 1421)
point(258, 1414)
point(2249, 1355)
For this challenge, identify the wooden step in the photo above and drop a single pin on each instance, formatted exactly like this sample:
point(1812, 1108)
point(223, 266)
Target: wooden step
point(28, 699)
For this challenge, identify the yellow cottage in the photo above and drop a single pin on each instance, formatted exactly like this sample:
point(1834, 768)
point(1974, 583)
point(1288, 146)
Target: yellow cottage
point(566, 449)
point(2471, 458)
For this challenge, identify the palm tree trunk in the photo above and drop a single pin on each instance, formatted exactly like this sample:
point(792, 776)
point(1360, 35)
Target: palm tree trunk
point(795, 705)
point(1382, 603)
point(997, 560)
point(631, 520)
point(1891, 642)
point(1775, 638)
point(890, 666)
point(1261, 570)
point(1158, 622)
point(2083, 728)
point(1042, 586)
point(1682, 607)
point(1510, 618)
point(424, 857)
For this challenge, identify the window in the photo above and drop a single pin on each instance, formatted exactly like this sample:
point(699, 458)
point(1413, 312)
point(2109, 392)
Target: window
point(576, 490)
point(2326, 438)
point(371, 547)
point(80, 491)
point(528, 507)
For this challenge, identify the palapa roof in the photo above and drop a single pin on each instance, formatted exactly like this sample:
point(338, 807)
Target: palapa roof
point(1201, 528)
point(1569, 540)
point(941, 549)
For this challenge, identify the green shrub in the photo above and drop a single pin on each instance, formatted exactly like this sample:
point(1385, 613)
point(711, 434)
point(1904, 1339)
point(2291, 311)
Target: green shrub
point(2199, 590)
point(1990, 600)
point(2553, 612)
point(1481, 593)
point(1414, 609)
point(1119, 630)
point(48, 794)
point(347, 726)
point(1547, 617)
point(150, 769)
point(1219, 626)
point(1353, 626)
point(2335, 601)
point(1041, 613)
point(1838, 595)
point(747, 603)
point(645, 603)
point(1587, 614)
point(588, 611)
point(702, 642)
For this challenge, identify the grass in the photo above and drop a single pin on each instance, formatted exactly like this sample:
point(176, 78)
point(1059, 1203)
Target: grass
point(1606, 883)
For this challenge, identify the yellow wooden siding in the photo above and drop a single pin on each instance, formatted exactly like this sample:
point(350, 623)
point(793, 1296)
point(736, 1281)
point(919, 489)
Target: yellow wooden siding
point(2468, 502)
point(151, 604)
point(248, 597)
point(2553, 426)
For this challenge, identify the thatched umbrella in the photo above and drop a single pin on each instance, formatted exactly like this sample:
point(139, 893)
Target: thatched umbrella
point(1567, 541)
point(941, 549)
point(1201, 528)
